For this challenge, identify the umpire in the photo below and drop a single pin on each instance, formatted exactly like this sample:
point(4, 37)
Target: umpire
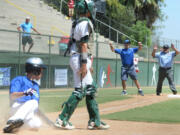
point(165, 59)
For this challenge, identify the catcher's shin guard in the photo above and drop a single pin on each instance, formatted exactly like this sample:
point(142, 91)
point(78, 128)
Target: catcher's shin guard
point(92, 106)
point(71, 105)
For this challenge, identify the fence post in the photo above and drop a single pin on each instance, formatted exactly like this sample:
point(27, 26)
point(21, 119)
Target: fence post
point(148, 60)
point(19, 59)
point(109, 28)
point(61, 6)
point(148, 68)
point(116, 63)
point(49, 64)
point(97, 49)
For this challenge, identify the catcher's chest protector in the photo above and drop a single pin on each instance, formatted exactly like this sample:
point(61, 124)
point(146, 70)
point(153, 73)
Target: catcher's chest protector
point(91, 35)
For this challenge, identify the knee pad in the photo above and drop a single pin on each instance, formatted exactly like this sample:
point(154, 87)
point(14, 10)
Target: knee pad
point(91, 90)
point(79, 93)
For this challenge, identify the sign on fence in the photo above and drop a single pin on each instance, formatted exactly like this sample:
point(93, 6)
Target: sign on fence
point(61, 77)
point(5, 76)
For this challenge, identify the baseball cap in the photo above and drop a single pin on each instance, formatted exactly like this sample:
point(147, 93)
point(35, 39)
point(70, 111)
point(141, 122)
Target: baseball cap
point(127, 41)
point(28, 17)
point(165, 46)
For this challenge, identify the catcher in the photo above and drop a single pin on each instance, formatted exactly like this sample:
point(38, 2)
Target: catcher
point(81, 64)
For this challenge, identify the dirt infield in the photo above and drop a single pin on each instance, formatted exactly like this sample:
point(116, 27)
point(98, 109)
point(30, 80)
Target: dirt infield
point(80, 118)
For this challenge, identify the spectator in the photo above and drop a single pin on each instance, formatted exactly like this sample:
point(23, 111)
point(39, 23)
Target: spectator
point(26, 37)
point(71, 8)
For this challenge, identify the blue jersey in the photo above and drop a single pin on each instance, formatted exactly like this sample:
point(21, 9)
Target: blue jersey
point(127, 56)
point(26, 27)
point(21, 84)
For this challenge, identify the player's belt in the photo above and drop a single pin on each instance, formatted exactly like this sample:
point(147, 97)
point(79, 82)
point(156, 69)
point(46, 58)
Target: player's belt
point(165, 68)
point(127, 66)
point(74, 53)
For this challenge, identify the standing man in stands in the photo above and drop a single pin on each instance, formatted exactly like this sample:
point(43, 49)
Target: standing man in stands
point(26, 37)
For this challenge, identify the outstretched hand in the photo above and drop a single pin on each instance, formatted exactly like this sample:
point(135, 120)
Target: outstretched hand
point(172, 46)
point(140, 44)
point(155, 47)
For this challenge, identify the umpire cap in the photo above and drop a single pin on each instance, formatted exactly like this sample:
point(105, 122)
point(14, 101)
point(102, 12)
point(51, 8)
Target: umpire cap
point(165, 46)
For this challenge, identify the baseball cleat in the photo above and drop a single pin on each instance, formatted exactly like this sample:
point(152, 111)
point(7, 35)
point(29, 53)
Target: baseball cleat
point(103, 126)
point(124, 92)
point(60, 124)
point(12, 124)
point(140, 92)
point(91, 125)
point(158, 94)
point(174, 92)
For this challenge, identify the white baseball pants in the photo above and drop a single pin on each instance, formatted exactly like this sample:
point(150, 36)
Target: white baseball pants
point(26, 112)
point(75, 66)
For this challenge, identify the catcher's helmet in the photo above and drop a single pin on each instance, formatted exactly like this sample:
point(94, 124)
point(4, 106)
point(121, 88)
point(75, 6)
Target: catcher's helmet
point(85, 6)
point(33, 65)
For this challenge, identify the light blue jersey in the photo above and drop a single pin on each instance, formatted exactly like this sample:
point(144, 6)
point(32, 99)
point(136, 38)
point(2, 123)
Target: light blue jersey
point(26, 27)
point(21, 84)
point(165, 59)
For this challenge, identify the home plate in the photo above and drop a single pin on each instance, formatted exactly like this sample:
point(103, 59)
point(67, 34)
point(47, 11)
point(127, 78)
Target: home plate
point(173, 96)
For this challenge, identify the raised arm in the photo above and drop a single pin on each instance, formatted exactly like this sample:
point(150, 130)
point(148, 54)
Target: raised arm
point(154, 50)
point(111, 47)
point(172, 46)
point(140, 46)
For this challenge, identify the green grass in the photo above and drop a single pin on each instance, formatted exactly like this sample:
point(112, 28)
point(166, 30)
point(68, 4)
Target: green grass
point(52, 101)
point(164, 112)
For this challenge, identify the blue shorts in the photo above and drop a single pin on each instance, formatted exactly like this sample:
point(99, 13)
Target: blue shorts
point(125, 71)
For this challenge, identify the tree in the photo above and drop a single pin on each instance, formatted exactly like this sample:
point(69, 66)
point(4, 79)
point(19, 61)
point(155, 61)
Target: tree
point(143, 33)
point(148, 10)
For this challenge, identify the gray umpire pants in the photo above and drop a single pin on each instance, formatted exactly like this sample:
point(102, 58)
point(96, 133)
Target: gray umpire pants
point(165, 73)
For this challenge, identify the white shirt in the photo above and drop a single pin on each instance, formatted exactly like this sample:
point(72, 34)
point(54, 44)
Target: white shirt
point(81, 30)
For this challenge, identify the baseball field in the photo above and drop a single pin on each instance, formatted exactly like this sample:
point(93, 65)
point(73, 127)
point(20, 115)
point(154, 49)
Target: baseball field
point(127, 115)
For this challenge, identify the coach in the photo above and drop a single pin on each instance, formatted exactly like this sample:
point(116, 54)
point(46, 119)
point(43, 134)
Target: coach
point(165, 59)
point(128, 69)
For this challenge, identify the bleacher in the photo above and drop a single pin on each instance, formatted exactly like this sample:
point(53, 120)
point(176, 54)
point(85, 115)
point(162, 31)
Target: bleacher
point(45, 19)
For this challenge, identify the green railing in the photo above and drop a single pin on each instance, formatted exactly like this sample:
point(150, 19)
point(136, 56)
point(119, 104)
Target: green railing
point(48, 48)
